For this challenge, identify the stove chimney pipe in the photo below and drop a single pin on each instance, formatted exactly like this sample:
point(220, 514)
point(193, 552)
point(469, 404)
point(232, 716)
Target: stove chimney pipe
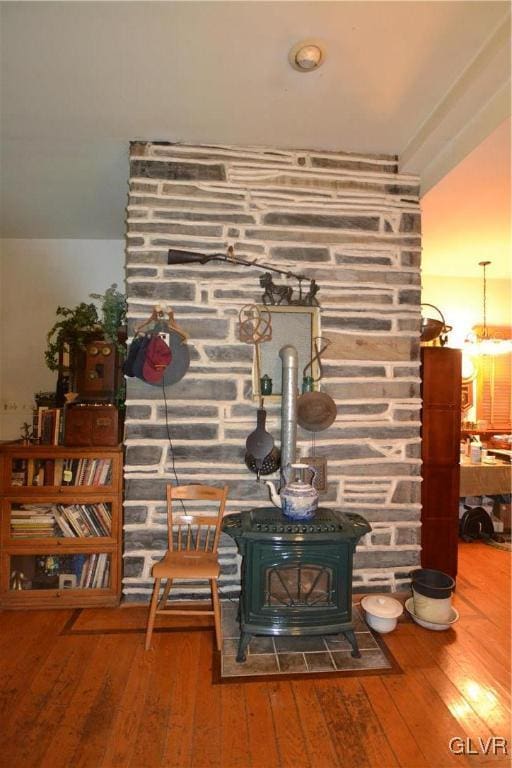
point(290, 363)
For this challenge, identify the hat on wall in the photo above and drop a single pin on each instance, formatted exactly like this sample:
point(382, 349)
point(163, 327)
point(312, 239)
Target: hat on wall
point(157, 358)
point(139, 356)
point(128, 366)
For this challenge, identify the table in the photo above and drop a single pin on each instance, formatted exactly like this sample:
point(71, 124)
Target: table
point(484, 479)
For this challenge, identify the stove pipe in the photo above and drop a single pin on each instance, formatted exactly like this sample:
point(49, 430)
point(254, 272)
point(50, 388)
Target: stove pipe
point(290, 363)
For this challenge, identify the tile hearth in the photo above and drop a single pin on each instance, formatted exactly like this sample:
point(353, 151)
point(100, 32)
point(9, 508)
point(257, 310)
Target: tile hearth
point(285, 655)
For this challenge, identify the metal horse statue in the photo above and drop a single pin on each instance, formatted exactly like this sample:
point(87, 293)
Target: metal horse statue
point(275, 294)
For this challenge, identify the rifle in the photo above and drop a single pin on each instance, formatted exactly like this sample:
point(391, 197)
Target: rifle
point(175, 256)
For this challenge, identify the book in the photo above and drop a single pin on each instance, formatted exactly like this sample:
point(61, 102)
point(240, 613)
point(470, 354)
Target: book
point(48, 419)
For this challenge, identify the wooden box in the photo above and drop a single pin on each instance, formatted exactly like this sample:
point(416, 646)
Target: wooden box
point(88, 425)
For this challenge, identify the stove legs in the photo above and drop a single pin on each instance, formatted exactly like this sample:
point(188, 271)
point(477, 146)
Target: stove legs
point(243, 644)
point(349, 634)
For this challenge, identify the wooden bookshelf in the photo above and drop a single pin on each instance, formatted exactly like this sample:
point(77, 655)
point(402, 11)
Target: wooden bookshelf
point(60, 531)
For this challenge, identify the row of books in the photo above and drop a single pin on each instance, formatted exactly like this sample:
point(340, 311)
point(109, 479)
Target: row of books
point(56, 472)
point(87, 472)
point(70, 521)
point(96, 572)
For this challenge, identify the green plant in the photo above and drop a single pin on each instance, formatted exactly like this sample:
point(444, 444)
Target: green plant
point(72, 330)
point(113, 309)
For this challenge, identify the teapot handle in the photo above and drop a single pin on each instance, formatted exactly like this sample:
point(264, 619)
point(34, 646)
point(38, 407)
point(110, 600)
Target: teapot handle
point(314, 470)
point(286, 470)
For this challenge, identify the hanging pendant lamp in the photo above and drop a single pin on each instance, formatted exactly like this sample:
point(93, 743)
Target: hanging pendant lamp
point(483, 343)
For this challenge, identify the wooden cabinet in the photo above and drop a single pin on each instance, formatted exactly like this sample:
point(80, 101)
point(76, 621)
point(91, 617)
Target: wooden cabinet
point(60, 526)
point(441, 421)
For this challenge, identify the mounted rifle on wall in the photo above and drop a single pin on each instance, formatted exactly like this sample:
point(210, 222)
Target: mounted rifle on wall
point(274, 294)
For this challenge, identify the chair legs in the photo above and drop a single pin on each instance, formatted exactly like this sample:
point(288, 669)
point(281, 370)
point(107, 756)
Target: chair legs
point(216, 611)
point(165, 594)
point(152, 613)
point(157, 604)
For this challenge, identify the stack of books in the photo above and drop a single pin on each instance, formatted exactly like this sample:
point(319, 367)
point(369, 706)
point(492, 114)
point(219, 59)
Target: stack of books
point(32, 520)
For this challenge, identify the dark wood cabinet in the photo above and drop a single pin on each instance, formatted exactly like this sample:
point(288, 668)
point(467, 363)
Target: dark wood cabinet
point(441, 423)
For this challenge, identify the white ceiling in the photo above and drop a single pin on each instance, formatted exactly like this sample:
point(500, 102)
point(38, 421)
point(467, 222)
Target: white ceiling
point(424, 80)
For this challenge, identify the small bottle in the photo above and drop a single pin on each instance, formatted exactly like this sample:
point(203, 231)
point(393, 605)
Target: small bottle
point(476, 452)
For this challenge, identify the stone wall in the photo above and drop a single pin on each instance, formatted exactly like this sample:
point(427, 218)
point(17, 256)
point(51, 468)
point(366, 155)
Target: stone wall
point(353, 224)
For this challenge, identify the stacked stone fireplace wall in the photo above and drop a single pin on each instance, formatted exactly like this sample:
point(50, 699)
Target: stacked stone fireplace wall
point(353, 224)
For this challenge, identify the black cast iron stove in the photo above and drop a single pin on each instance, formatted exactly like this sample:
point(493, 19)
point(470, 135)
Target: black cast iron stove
point(296, 576)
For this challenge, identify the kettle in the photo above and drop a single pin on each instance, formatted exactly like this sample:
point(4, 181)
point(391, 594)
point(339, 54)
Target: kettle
point(298, 499)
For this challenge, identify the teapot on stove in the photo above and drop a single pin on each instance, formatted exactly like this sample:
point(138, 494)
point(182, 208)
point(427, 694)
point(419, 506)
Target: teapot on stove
point(298, 499)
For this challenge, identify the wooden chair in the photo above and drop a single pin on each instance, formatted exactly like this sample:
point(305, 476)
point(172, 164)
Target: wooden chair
point(192, 553)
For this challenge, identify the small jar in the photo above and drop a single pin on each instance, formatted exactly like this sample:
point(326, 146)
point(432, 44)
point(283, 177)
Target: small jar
point(266, 385)
point(476, 453)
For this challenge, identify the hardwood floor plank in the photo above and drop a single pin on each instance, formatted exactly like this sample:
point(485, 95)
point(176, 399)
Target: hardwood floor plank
point(432, 725)
point(126, 723)
point(371, 736)
point(290, 738)
point(320, 749)
point(87, 715)
point(401, 739)
point(180, 734)
point(332, 698)
point(97, 726)
point(470, 724)
point(234, 732)
point(46, 703)
point(262, 739)
point(154, 722)
point(206, 720)
point(26, 654)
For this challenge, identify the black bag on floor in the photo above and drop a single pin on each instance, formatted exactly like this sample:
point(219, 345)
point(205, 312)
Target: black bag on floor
point(475, 523)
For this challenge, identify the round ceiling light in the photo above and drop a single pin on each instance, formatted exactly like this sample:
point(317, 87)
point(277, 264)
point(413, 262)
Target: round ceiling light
point(306, 56)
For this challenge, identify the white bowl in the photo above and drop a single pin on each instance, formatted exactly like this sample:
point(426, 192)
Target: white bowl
point(409, 607)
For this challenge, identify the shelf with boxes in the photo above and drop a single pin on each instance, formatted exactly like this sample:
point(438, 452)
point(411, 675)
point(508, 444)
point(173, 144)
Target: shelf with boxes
point(60, 526)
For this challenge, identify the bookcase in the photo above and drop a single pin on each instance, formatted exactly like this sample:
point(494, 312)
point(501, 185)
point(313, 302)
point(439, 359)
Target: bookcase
point(60, 537)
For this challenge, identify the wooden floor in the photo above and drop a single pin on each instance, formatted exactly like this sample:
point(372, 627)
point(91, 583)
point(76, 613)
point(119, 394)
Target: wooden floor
point(91, 699)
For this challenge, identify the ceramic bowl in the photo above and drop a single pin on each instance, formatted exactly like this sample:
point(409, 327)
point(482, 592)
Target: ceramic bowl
point(381, 612)
point(435, 626)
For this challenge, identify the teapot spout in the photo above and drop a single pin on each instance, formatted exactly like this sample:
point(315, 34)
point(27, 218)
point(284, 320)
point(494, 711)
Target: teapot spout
point(274, 496)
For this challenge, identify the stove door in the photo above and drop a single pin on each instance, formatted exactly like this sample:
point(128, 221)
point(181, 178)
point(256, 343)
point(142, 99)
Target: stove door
point(298, 585)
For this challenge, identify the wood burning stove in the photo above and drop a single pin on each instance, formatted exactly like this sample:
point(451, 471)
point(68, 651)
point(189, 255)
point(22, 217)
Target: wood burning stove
point(296, 576)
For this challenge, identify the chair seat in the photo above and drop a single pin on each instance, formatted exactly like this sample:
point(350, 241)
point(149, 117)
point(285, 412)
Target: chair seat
point(186, 565)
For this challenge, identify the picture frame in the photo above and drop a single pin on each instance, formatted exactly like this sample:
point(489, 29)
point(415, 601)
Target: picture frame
point(67, 581)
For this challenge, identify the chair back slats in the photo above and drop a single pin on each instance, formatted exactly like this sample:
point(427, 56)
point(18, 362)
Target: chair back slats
point(199, 532)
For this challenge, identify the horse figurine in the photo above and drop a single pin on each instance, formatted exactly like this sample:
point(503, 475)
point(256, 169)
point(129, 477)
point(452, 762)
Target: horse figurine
point(275, 294)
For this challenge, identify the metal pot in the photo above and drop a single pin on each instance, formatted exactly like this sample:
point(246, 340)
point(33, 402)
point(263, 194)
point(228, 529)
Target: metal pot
point(431, 328)
point(316, 411)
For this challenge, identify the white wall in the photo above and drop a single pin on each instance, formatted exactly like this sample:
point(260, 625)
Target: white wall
point(460, 299)
point(36, 276)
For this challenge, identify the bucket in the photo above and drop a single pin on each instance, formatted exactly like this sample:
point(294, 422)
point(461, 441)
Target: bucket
point(432, 593)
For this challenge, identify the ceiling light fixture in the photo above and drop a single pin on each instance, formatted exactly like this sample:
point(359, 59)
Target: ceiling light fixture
point(481, 342)
point(306, 56)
